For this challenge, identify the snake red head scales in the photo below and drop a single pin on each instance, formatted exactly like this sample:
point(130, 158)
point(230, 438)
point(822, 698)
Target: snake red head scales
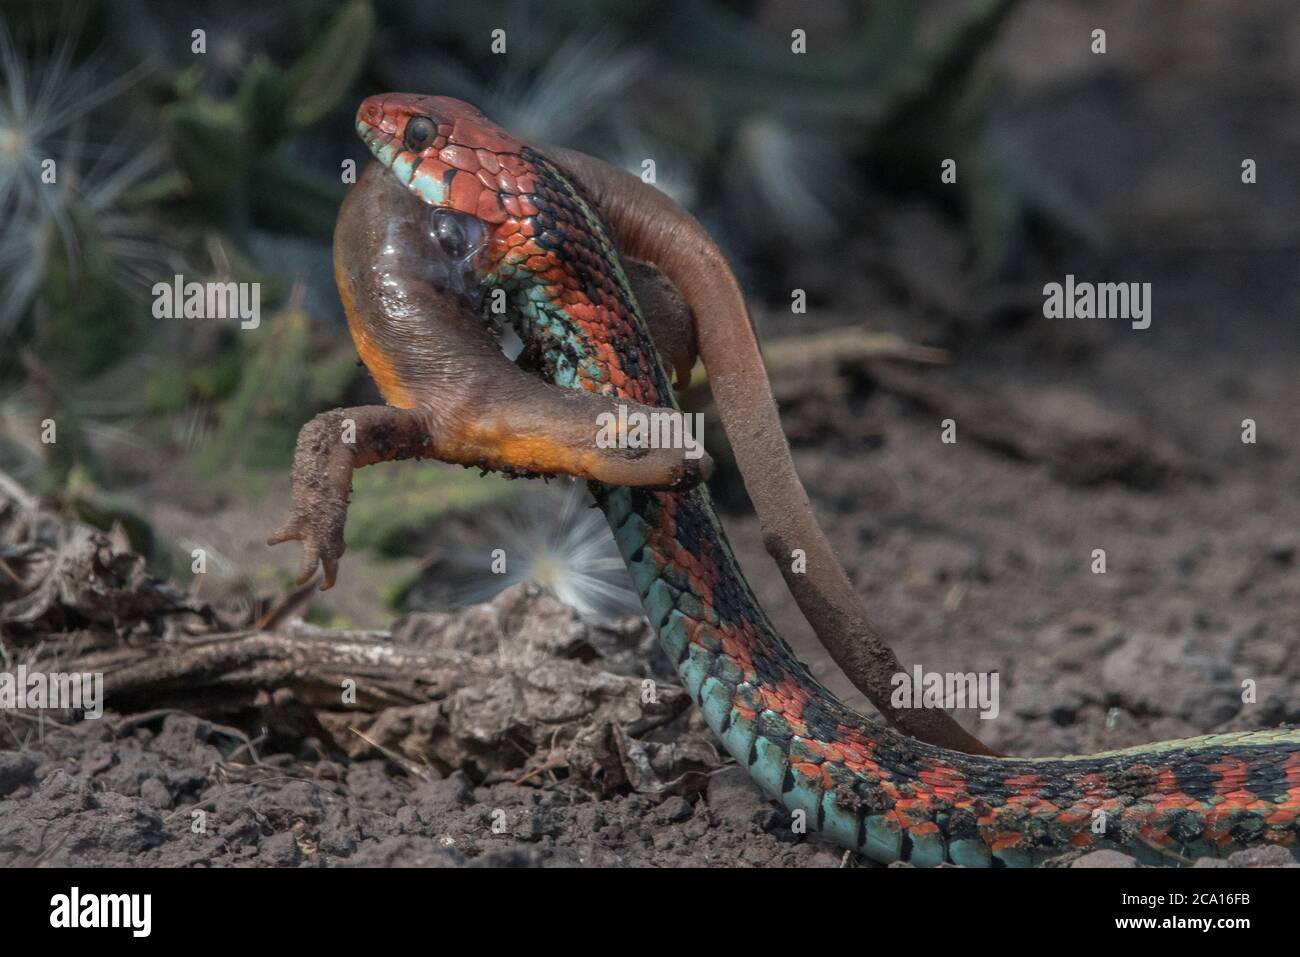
point(547, 244)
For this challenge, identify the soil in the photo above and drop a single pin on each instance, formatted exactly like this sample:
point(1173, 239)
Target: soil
point(974, 556)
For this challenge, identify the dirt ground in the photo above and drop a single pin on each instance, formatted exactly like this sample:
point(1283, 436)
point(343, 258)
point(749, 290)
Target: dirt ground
point(974, 556)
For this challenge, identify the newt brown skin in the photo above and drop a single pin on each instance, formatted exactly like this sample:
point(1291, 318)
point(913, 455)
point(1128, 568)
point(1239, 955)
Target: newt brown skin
point(451, 393)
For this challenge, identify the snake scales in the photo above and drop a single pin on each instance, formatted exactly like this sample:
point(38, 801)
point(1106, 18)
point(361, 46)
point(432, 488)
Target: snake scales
point(868, 787)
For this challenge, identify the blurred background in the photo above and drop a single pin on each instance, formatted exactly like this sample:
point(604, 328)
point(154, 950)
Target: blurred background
point(818, 172)
point(226, 165)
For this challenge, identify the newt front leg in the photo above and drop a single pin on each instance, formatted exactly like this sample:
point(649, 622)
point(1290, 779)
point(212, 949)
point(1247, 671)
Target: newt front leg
point(330, 447)
point(547, 434)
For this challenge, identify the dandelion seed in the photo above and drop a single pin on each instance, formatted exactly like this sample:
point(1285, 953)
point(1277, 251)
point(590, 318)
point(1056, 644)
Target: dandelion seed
point(579, 86)
point(805, 205)
point(44, 109)
point(555, 540)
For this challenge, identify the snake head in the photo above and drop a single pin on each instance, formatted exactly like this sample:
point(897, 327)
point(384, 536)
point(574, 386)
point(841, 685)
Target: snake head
point(446, 152)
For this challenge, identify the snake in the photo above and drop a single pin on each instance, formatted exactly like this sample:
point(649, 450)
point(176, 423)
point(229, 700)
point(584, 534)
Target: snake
point(549, 235)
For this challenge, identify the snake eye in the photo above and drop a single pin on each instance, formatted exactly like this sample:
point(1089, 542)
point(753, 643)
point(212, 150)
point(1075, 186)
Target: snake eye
point(420, 131)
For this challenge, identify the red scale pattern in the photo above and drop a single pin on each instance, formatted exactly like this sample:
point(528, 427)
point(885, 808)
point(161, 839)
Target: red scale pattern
point(492, 181)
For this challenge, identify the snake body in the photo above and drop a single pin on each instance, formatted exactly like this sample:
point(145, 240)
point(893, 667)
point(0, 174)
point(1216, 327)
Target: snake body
point(863, 784)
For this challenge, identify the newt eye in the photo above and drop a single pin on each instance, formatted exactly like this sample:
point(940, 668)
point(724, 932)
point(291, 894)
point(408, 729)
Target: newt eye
point(449, 229)
point(459, 235)
point(420, 131)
